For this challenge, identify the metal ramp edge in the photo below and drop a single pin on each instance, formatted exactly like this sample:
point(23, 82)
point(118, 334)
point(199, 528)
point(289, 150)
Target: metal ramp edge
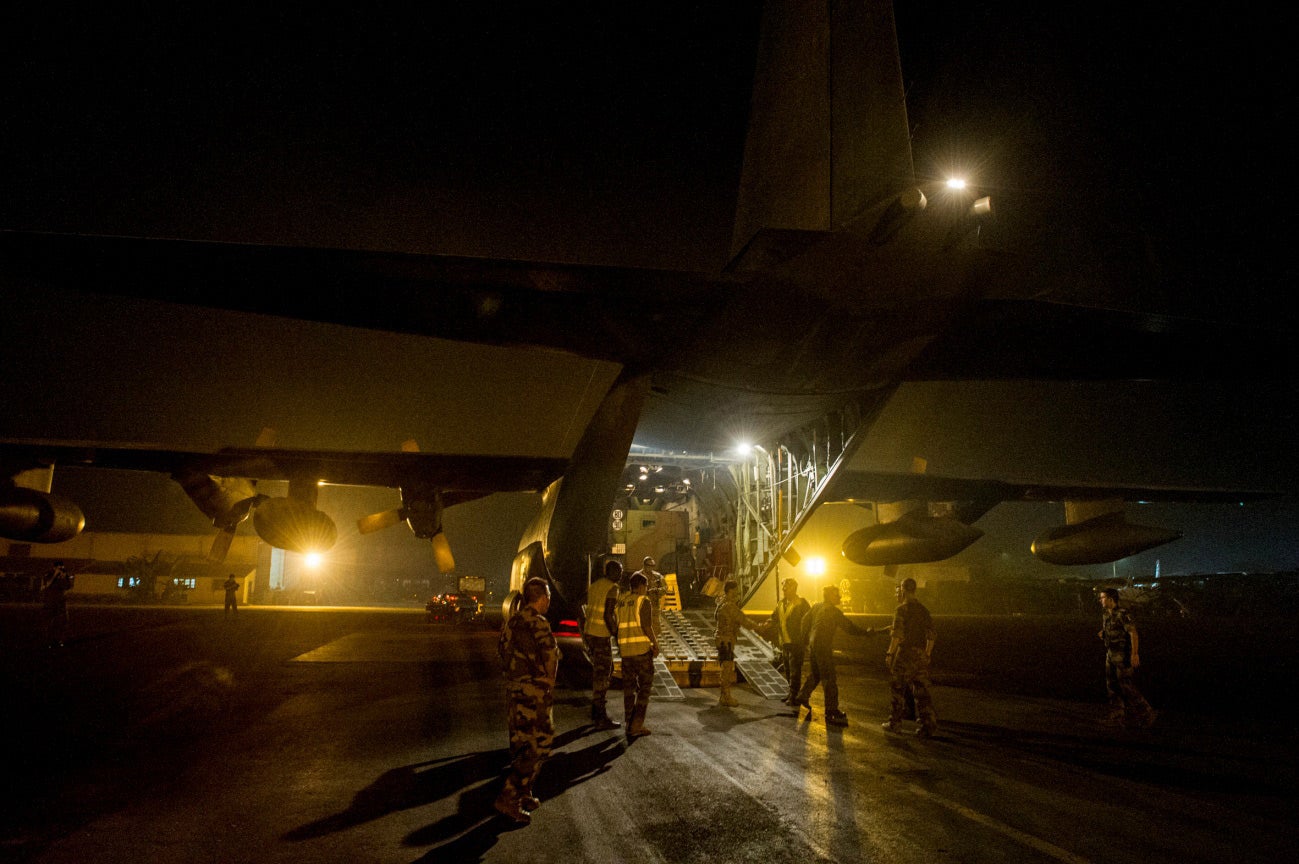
point(687, 651)
point(754, 656)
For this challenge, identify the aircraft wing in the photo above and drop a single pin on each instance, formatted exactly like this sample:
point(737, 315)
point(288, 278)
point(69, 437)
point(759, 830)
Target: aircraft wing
point(772, 331)
point(453, 473)
point(223, 485)
point(922, 517)
point(491, 301)
point(882, 486)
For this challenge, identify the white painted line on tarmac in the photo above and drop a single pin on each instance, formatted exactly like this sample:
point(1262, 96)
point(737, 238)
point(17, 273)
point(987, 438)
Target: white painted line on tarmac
point(1014, 833)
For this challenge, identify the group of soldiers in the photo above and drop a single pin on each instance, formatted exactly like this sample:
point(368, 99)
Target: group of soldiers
point(803, 631)
point(530, 657)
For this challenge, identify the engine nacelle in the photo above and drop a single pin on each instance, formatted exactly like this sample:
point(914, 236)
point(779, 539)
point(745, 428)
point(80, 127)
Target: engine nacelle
point(38, 517)
point(1098, 541)
point(294, 525)
point(913, 538)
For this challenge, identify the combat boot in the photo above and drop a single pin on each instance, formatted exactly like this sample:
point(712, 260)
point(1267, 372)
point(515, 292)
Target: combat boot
point(512, 808)
point(727, 677)
point(836, 718)
point(636, 726)
point(601, 720)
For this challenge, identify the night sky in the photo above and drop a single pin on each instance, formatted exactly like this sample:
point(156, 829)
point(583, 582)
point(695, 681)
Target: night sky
point(613, 134)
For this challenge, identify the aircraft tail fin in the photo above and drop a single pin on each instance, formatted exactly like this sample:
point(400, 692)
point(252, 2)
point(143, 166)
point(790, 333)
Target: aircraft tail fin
point(828, 132)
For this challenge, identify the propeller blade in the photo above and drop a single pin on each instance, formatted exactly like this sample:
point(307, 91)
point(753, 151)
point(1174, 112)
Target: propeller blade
point(221, 545)
point(378, 521)
point(442, 554)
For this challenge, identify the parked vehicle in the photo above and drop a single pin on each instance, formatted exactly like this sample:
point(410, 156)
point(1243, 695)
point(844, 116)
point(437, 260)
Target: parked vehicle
point(454, 609)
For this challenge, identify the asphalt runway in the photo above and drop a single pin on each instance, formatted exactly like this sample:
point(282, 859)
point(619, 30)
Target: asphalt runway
point(328, 735)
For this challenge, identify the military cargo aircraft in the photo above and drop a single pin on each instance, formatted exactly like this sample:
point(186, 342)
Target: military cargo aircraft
point(850, 273)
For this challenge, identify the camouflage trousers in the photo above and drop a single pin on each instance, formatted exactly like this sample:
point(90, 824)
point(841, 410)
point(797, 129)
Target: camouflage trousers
point(532, 732)
point(600, 649)
point(911, 670)
point(637, 681)
point(1124, 697)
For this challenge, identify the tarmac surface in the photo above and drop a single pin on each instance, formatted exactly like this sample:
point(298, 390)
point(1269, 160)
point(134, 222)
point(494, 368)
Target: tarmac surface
point(166, 734)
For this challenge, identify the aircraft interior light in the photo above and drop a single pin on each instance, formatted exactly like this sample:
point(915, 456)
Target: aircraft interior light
point(814, 565)
point(955, 182)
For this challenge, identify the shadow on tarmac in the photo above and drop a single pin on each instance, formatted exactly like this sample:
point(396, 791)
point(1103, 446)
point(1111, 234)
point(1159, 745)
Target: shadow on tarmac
point(473, 829)
point(1137, 755)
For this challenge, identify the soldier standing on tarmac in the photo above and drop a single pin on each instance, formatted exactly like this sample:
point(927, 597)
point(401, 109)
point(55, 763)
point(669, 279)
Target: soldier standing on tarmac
point(1127, 706)
point(232, 597)
point(907, 658)
point(730, 618)
point(55, 585)
point(531, 659)
point(657, 587)
point(786, 622)
point(819, 628)
point(601, 624)
point(637, 645)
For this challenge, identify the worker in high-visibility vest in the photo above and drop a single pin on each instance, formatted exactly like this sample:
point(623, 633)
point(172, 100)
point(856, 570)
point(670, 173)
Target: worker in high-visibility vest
point(637, 646)
point(597, 633)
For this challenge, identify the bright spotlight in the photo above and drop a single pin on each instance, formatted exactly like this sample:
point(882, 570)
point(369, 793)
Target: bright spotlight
point(815, 565)
point(312, 559)
point(744, 448)
point(955, 182)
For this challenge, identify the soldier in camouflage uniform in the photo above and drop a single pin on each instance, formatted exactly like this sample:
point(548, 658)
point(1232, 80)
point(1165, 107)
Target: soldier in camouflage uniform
point(729, 618)
point(531, 660)
point(909, 651)
point(1122, 658)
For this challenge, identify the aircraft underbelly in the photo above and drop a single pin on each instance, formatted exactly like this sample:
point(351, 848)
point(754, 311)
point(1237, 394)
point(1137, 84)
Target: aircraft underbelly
point(700, 416)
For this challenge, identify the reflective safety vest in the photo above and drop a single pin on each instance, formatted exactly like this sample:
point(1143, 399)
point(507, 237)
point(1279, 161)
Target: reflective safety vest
point(596, 595)
point(632, 640)
point(783, 610)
